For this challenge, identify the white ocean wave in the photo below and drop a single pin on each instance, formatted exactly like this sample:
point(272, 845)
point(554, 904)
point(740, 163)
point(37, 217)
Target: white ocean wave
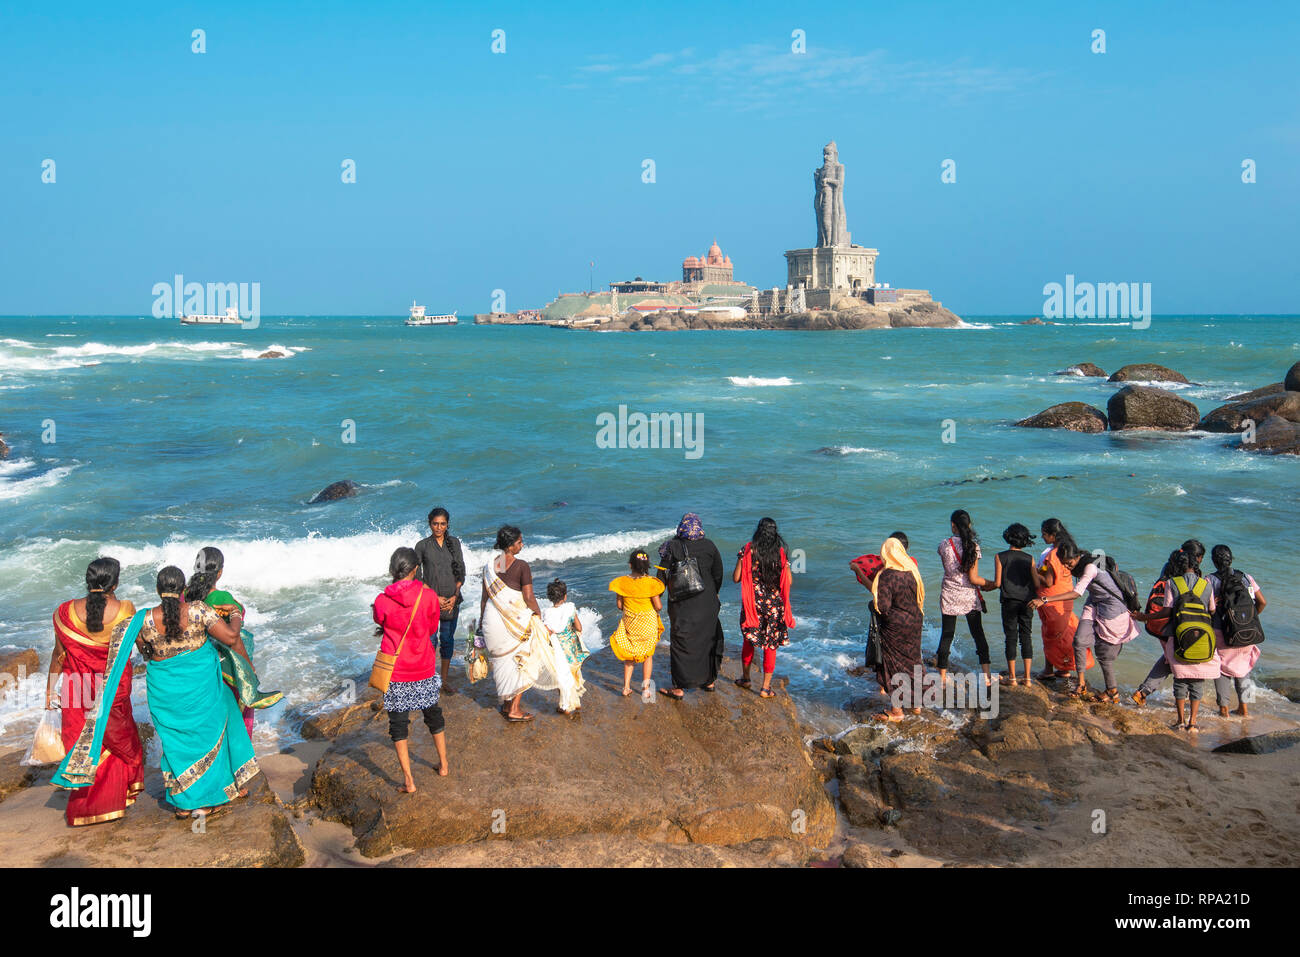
point(20, 488)
point(750, 381)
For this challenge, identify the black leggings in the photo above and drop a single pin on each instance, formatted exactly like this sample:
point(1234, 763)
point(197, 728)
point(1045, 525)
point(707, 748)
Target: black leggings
point(399, 722)
point(976, 625)
point(1018, 620)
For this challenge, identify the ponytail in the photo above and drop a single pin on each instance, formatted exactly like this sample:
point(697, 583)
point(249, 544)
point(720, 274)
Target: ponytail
point(101, 578)
point(969, 540)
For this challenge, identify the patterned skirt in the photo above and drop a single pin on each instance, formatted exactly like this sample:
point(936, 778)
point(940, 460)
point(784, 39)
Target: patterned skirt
point(637, 635)
point(412, 695)
point(771, 631)
point(574, 652)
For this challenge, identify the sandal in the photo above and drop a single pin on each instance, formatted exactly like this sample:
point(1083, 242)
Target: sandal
point(886, 716)
point(744, 682)
point(522, 717)
point(1081, 693)
point(766, 693)
point(675, 693)
point(1110, 696)
point(1138, 698)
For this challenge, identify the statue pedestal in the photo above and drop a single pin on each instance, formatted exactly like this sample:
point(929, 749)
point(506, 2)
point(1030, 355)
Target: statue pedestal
point(845, 269)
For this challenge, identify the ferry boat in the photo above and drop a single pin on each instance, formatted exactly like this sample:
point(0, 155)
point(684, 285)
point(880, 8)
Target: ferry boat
point(229, 318)
point(418, 318)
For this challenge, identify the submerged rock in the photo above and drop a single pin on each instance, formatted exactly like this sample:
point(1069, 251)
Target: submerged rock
point(1087, 369)
point(271, 354)
point(334, 491)
point(4, 449)
point(1146, 407)
point(1234, 416)
point(1075, 416)
point(1147, 372)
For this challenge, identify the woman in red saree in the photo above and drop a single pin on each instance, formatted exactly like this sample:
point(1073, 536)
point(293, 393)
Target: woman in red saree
point(82, 630)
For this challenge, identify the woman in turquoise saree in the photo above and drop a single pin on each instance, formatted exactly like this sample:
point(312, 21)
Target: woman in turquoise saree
point(207, 755)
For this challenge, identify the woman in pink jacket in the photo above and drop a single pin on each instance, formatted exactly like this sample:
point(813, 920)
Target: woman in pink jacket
point(407, 614)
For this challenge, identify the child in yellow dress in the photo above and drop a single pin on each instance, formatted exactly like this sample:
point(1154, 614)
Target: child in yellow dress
point(638, 633)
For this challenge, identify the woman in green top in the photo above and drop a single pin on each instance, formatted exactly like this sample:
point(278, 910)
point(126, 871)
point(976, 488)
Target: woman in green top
point(240, 678)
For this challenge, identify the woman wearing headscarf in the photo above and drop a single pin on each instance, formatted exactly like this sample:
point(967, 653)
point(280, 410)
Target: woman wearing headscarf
point(899, 597)
point(695, 630)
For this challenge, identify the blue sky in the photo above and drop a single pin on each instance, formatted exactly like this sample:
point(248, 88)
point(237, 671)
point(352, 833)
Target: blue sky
point(478, 171)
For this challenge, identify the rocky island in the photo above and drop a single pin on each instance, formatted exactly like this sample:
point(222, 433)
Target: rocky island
point(831, 285)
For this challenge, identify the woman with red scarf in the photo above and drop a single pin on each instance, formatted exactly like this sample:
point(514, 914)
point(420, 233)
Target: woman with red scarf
point(83, 629)
point(763, 572)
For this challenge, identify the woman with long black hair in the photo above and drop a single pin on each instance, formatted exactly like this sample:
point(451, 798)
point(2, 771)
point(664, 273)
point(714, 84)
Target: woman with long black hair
point(763, 572)
point(84, 654)
point(207, 756)
point(959, 596)
point(1053, 578)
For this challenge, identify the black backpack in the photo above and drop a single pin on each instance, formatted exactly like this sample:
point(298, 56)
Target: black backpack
point(1128, 589)
point(1241, 625)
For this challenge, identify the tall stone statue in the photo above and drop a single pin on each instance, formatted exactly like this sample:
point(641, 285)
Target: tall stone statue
point(832, 227)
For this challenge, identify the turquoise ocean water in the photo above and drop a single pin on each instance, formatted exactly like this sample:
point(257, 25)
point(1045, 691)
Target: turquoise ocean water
point(169, 438)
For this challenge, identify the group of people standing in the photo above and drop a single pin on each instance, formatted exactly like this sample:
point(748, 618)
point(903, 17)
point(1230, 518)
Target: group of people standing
point(201, 693)
point(526, 646)
point(1208, 627)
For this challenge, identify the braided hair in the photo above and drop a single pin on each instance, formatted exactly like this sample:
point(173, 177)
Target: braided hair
point(101, 578)
point(207, 568)
point(171, 582)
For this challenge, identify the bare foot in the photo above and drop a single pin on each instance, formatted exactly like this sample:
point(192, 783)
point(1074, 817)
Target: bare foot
point(1223, 711)
point(626, 691)
point(1241, 710)
point(887, 716)
point(443, 770)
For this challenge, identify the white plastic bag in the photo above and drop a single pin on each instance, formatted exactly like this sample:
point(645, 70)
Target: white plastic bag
point(47, 743)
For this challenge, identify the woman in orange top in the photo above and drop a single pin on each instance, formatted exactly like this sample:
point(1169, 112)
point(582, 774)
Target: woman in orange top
point(83, 628)
point(638, 633)
point(1052, 577)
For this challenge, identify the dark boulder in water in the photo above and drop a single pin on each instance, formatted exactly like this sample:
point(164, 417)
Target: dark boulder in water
point(1234, 416)
point(1075, 416)
point(1273, 389)
point(1086, 369)
point(271, 354)
point(1147, 372)
point(1292, 378)
point(336, 490)
point(1146, 407)
point(1275, 435)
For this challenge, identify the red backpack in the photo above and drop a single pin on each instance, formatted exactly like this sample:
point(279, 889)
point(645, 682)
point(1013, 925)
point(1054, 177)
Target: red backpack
point(1156, 604)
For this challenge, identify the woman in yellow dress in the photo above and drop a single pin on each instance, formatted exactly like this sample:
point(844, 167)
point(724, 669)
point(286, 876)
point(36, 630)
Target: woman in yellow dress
point(638, 633)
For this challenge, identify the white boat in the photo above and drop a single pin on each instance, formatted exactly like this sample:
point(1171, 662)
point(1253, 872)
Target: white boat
point(229, 318)
point(418, 318)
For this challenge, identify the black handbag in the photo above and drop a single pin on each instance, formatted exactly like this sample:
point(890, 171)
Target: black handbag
point(684, 579)
point(875, 656)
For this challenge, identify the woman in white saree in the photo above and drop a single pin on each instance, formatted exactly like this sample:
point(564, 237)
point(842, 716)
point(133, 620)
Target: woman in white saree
point(521, 649)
